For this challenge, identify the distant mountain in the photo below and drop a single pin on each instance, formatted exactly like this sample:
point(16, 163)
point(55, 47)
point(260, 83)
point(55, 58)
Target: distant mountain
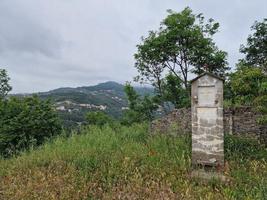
point(73, 103)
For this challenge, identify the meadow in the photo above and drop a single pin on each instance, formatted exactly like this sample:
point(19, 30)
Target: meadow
point(128, 163)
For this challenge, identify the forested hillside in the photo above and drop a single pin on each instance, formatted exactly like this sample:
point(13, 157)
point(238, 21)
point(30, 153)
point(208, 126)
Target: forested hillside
point(73, 103)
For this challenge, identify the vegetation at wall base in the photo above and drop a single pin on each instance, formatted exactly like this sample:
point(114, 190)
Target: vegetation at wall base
point(128, 163)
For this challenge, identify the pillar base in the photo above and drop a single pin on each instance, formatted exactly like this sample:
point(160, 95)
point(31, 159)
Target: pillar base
point(208, 175)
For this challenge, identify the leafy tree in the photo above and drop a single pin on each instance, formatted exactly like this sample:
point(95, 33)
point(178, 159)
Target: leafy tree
point(147, 107)
point(26, 122)
point(256, 48)
point(98, 118)
point(174, 92)
point(132, 96)
point(148, 61)
point(248, 86)
point(182, 45)
point(140, 109)
point(4, 85)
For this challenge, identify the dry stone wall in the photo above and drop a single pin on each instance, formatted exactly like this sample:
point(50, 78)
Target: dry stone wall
point(240, 121)
point(176, 122)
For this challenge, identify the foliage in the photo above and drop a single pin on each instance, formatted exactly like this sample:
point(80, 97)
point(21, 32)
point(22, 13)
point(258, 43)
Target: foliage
point(256, 56)
point(98, 118)
point(256, 48)
point(128, 163)
point(25, 123)
point(140, 108)
point(243, 148)
point(260, 103)
point(182, 45)
point(248, 86)
point(4, 85)
point(132, 96)
point(174, 92)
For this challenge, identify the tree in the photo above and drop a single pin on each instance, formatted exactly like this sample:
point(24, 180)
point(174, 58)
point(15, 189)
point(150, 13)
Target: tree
point(98, 118)
point(26, 122)
point(249, 83)
point(132, 96)
point(248, 86)
point(5, 88)
point(256, 48)
point(148, 61)
point(182, 45)
point(140, 108)
point(174, 92)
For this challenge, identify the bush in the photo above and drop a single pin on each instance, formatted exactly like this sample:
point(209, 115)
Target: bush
point(25, 123)
point(98, 118)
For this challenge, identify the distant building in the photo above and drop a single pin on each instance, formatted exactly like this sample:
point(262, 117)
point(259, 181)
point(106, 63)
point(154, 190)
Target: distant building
point(60, 108)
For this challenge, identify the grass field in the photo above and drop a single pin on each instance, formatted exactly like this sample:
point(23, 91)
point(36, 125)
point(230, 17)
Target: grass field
point(128, 163)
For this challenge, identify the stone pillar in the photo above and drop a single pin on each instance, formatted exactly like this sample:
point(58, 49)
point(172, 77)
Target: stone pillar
point(207, 120)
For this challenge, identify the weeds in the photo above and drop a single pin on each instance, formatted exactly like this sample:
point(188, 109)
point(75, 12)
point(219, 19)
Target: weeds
point(128, 163)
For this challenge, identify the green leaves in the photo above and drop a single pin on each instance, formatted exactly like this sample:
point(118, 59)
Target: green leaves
point(140, 108)
point(247, 82)
point(98, 118)
point(256, 48)
point(25, 123)
point(248, 86)
point(182, 45)
point(174, 92)
point(4, 85)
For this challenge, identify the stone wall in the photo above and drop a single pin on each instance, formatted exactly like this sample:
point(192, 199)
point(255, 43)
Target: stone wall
point(238, 121)
point(176, 122)
point(241, 121)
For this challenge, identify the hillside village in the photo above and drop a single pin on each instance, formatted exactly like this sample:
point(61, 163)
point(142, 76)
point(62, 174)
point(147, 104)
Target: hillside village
point(70, 106)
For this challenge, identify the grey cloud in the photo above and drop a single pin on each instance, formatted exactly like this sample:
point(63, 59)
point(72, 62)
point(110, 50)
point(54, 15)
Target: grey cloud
point(53, 43)
point(21, 34)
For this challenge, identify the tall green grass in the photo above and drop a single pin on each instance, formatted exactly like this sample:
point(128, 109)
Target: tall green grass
point(128, 163)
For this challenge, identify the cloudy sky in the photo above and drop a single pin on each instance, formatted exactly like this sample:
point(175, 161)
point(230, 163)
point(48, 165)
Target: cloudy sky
point(46, 44)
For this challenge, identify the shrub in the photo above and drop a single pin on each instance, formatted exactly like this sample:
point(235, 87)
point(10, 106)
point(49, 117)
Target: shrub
point(98, 118)
point(26, 122)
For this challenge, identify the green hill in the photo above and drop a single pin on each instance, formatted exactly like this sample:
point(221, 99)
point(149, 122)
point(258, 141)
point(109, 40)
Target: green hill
point(128, 163)
point(73, 103)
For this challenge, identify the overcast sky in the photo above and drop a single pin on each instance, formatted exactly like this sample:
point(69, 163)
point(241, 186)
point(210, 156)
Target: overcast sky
point(46, 44)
